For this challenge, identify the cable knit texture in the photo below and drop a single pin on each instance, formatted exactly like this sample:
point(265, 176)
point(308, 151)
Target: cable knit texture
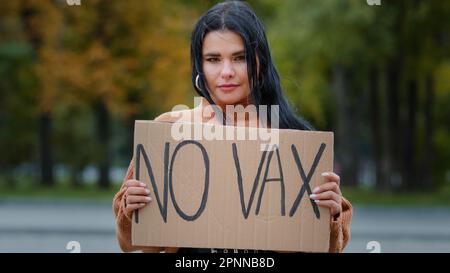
point(339, 227)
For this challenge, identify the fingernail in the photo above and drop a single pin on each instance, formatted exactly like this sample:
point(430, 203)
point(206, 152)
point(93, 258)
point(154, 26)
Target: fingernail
point(317, 201)
point(325, 174)
point(312, 196)
point(147, 191)
point(142, 184)
point(316, 189)
point(148, 198)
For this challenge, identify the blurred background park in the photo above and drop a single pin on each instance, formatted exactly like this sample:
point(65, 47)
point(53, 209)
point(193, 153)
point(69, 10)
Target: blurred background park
point(74, 78)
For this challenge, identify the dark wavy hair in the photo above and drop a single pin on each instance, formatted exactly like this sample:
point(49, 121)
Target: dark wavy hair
point(239, 17)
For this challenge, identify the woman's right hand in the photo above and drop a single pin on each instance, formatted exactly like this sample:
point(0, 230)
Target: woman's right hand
point(136, 195)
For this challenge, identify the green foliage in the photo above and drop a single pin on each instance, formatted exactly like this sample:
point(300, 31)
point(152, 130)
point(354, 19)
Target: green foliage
point(17, 124)
point(362, 197)
point(134, 57)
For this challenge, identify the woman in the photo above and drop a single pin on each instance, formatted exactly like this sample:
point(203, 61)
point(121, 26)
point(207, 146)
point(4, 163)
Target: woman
point(232, 65)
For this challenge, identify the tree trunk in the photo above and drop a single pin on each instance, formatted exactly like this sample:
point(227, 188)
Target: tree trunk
point(377, 136)
point(27, 15)
point(45, 149)
point(133, 98)
point(346, 163)
point(409, 137)
point(75, 177)
point(394, 178)
point(130, 135)
point(428, 149)
point(103, 132)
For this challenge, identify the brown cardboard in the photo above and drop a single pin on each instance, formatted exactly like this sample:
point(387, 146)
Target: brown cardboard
point(222, 223)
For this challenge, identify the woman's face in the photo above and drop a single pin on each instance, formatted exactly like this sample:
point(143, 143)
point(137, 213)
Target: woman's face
point(225, 68)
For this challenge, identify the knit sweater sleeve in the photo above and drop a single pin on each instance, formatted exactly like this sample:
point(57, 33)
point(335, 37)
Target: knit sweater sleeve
point(340, 228)
point(123, 218)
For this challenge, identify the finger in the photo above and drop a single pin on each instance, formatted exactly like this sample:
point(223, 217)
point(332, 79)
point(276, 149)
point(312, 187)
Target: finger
point(135, 183)
point(329, 186)
point(133, 199)
point(328, 195)
point(332, 177)
point(132, 207)
point(138, 191)
point(331, 204)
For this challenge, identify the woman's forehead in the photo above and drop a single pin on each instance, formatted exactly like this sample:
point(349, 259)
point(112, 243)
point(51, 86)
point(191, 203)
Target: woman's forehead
point(222, 42)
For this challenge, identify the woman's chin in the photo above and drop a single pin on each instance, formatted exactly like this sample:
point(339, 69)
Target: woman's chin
point(229, 100)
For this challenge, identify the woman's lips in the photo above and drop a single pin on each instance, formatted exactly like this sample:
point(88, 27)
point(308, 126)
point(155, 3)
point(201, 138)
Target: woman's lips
point(228, 87)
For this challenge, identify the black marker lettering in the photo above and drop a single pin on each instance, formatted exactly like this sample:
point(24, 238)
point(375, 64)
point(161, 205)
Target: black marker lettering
point(265, 180)
point(245, 211)
point(306, 179)
point(205, 190)
point(162, 207)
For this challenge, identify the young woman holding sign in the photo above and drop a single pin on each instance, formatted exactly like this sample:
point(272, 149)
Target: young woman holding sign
point(232, 65)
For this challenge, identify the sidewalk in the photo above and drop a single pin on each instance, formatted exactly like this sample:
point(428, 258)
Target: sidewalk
point(48, 226)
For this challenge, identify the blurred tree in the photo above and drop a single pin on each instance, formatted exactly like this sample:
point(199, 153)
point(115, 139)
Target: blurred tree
point(40, 22)
point(81, 75)
point(328, 45)
point(121, 58)
point(418, 26)
point(17, 124)
point(383, 56)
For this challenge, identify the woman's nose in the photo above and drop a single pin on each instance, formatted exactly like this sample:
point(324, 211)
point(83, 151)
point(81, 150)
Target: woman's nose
point(227, 71)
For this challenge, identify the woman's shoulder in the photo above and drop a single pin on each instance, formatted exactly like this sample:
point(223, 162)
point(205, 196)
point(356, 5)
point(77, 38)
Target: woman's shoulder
point(174, 116)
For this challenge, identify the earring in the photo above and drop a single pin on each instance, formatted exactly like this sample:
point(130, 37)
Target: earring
point(196, 82)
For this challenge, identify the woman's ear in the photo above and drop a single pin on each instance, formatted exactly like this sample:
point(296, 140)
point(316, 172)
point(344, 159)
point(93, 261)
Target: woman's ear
point(257, 66)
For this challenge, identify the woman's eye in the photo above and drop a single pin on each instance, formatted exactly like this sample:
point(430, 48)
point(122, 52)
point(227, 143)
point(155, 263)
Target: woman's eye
point(240, 58)
point(212, 60)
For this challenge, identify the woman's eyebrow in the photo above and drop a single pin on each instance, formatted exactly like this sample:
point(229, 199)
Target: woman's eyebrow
point(240, 52)
point(211, 54)
point(215, 54)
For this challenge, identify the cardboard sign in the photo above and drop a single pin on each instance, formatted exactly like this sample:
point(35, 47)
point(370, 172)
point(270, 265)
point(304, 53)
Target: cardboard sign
point(229, 193)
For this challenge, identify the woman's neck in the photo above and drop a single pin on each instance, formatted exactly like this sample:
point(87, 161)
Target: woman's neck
point(249, 117)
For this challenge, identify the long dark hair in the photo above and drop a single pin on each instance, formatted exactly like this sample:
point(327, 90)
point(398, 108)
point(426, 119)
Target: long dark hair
point(238, 17)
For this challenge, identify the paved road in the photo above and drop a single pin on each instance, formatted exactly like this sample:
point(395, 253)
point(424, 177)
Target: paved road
point(401, 229)
point(50, 226)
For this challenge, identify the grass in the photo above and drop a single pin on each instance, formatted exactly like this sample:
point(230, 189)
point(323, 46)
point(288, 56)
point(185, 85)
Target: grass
point(61, 191)
point(358, 196)
point(90, 192)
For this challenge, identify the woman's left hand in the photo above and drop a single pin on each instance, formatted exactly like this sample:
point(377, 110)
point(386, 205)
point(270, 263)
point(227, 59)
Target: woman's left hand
point(328, 194)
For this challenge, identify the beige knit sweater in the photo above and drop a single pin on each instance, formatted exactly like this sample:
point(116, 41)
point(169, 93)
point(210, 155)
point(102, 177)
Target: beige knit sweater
point(339, 229)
